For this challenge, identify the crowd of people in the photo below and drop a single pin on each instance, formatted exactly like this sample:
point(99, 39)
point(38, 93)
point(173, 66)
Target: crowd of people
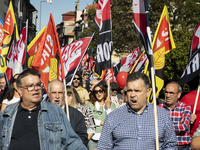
point(92, 114)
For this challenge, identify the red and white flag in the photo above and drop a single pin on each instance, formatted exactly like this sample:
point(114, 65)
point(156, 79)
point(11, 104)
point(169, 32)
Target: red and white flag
point(17, 55)
point(108, 75)
point(127, 63)
point(72, 55)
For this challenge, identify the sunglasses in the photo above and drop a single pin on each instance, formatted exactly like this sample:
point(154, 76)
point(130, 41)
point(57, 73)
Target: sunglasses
point(76, 78)
point(98, 91)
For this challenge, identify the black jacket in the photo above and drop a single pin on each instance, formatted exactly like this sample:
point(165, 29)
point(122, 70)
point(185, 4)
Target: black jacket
point(77, 122)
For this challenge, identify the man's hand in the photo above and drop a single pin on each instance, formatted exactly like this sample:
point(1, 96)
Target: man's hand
point(193, 118)
point(102, 122)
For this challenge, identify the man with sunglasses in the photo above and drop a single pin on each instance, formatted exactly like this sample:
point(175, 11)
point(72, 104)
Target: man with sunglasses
point(33, 124)
point(83, 93)
point(131, 126)
point(180, 114)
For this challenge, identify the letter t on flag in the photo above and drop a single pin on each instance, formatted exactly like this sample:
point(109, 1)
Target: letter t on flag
point(103, 24)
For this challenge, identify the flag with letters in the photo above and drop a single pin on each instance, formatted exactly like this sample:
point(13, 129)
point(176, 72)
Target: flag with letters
point(103, 24)
point(72, 56)
point(192, 69)
point(45, 60)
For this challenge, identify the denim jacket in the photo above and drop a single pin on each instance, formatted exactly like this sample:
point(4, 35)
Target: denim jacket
point(54, 129)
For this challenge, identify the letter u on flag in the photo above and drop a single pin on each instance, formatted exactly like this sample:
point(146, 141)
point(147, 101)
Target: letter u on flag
point(45, 60)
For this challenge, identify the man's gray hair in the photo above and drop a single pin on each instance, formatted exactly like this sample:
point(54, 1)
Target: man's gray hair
point(48, 87)
point(179, 87)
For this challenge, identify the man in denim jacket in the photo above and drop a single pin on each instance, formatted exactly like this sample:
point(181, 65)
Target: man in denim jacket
point(34, 124)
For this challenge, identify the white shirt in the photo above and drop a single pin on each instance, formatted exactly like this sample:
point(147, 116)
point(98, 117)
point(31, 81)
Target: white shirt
point(12, 101)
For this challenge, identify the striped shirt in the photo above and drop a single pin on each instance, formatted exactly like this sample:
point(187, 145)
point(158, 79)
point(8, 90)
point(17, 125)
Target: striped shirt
point(125, 129)
point(180, 116)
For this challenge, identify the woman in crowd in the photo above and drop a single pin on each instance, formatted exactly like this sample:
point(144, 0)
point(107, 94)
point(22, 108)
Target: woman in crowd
point(12, 95)
point(100, 106)
point(75, 101)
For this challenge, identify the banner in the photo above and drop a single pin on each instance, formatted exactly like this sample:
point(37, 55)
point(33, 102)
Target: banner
point(8, 28)
point(192, 69)
point(103, 24)
point(45, 60)
point(72, 55)
point(17, 55)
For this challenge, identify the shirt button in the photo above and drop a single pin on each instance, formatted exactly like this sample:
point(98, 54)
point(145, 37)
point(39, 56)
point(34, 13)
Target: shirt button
point(139, 126)
point(29, 117)
point(139, 138)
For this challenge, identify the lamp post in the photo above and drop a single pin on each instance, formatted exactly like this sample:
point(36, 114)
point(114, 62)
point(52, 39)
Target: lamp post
point(48, 1)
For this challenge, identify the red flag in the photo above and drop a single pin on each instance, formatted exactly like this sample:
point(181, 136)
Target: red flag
point(90, 64)
point(45, 58)
point(108, 75)
point(17, 55)
point(72, 55)
point(33, 46)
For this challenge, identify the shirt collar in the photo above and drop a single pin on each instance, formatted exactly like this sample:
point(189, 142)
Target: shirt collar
point(165, 106)
point(130, 110)
point(20, 108)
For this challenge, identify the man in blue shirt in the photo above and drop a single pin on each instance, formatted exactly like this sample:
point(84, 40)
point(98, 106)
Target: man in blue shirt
point(131, 126)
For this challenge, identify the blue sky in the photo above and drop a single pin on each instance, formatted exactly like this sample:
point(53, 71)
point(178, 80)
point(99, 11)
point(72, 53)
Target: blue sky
point(57, 8)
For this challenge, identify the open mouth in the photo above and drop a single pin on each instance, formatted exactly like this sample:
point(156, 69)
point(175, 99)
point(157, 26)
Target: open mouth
point(133, 101)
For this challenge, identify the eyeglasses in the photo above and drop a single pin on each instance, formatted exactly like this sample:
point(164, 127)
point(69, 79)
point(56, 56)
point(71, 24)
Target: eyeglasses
point(98, 91)
point(170, 93)
point(76, 78)
point(31, 87)
point(98, 112)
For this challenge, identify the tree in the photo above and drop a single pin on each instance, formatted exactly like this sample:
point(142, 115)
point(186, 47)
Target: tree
point(184, 18)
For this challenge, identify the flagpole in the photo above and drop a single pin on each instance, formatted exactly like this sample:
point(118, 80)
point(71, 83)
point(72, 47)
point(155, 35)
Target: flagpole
point(66, 101)
point(196, 100)
point(149, 46)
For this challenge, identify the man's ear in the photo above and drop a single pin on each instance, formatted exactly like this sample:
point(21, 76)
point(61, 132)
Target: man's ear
point(179, 95)
point(19, 91)
point(148, 92)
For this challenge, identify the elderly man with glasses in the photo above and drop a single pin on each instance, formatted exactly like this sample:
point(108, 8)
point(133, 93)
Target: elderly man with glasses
point(180, 114)
point(34, 124)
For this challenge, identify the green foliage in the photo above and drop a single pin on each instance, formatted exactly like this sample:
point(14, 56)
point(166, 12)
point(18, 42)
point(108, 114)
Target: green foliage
point(184, 18)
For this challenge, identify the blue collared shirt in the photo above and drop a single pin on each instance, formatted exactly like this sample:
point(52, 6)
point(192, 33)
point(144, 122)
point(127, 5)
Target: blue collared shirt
point(125, 129)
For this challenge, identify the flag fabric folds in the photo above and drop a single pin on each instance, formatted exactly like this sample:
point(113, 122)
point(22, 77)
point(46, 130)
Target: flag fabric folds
point(45, 60)
point(33, 46)
point(17, 55)
point(108, 75)
point(103, 24)
point(127, 63)
point(8, 29)
point(163, 42)
point(192, 69)
point(72, 55)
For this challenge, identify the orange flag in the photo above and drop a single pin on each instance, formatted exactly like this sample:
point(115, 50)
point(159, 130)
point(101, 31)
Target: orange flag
point(45, 60)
